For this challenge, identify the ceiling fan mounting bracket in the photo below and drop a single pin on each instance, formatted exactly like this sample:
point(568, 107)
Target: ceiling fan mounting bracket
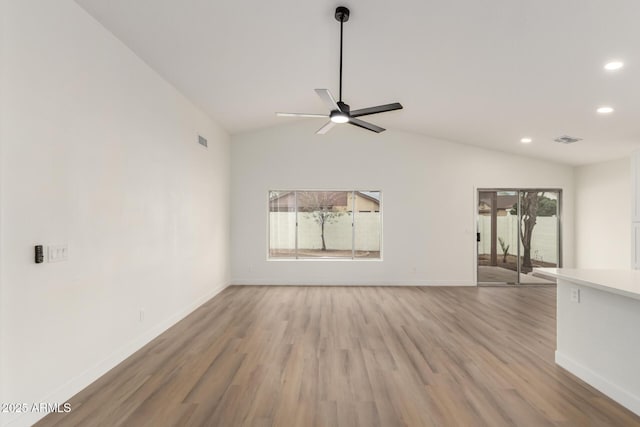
point(342, 14)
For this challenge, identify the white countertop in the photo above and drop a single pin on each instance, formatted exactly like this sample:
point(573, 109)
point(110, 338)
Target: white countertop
point(622, 282)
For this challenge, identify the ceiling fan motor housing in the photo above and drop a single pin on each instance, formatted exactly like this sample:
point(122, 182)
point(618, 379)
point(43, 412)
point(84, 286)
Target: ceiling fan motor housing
point(344, 107)
point(342, 115)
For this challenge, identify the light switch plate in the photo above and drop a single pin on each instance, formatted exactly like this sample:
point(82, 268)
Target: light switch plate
point(57, 253)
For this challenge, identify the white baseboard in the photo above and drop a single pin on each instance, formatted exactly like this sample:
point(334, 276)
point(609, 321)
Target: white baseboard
point(620, 395)
point(76, 384)
point(271, 282)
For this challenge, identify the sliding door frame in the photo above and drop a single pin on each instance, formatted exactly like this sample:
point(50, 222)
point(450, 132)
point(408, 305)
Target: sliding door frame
point(479, 190)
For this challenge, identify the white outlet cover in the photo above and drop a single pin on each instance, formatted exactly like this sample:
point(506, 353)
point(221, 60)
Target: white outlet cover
point(575, 294)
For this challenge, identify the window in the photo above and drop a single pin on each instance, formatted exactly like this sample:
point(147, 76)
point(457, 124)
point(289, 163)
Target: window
point(325, 224)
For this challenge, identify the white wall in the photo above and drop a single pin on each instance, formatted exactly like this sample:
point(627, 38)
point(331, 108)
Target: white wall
point(98, 152)
point(603, 206)
point(428, 189)
point(597, 338)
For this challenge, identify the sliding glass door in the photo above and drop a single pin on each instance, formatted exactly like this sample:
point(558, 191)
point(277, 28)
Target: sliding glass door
point(497, 237)
point(518, 230)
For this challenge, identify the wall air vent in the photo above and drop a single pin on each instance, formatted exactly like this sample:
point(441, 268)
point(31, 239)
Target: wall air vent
point(566, 139)
point(202, 141)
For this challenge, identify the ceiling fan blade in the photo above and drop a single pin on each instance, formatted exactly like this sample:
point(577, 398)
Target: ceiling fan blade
point(366, 125)
point(376, 110)
point(326, 128)
point(301, 115)
point(328, 99)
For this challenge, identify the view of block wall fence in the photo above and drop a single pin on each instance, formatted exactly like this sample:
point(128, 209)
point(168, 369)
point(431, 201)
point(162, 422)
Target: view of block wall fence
point(544, 245)
point(337, 233)
point(367, 233)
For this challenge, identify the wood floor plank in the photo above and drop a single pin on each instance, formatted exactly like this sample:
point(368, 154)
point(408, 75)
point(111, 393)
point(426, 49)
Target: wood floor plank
point(351, 356)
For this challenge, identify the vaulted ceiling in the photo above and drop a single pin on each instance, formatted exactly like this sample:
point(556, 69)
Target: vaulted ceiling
point(485, 73)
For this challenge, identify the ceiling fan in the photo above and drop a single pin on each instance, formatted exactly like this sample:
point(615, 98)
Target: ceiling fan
point(339, 111)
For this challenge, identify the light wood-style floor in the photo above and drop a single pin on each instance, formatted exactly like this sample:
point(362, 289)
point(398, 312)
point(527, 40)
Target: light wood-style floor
point(351, 356)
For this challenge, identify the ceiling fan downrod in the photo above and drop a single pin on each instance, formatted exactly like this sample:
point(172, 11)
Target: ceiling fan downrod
point(342, 16)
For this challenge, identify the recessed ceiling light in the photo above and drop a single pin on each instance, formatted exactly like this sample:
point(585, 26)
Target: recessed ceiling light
point(605, 110)
point(526, 140)
point(613, 65)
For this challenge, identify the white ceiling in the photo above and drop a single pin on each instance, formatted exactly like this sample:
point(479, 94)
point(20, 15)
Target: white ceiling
point(479, 72)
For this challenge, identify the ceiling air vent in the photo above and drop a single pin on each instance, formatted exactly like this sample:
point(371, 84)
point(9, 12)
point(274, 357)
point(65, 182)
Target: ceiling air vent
point(566, 139)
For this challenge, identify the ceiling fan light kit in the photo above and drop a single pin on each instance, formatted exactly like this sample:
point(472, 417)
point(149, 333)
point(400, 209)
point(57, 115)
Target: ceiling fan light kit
point(340, 112)
point(338, 117)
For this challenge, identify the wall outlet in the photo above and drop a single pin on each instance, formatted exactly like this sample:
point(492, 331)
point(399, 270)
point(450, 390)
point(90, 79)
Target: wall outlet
point(575, 295)
point(57, 253)
point(142, 314)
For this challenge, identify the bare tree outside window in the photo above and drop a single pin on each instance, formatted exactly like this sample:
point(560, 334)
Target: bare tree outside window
point(529, 212)
point(533, 204)
point(324, 207)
